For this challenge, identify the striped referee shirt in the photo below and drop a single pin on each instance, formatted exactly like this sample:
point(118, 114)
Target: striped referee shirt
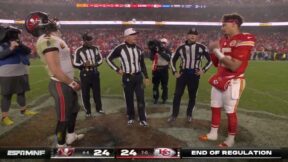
point(131, 58)
point(85, 54)
point(191, 55)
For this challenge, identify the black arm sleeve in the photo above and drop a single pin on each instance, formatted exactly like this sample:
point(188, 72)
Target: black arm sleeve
point(143, 67)
point(114, 54)
point(174, 59)
point(77, 62)
point(209, 62)
point(98, 58)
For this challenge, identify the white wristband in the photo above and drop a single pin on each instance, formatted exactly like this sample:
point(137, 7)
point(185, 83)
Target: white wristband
point(218, 53)
point(73, 84)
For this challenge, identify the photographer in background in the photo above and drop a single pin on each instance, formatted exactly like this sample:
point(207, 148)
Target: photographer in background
point(160, 55)
point(14, 61)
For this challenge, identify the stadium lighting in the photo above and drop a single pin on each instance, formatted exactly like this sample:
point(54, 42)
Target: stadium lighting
point(168, 23)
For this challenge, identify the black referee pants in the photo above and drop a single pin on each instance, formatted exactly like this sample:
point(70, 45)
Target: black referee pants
point(134, 84)
point(160, 75)
point(90, 80)
point(191, 80)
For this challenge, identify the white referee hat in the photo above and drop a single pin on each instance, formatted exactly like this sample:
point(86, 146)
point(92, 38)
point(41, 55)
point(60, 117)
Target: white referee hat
point(130, 31)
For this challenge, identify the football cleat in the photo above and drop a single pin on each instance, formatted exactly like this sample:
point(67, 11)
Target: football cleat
point(28, 113)
point(7, 121)
point(72, 137)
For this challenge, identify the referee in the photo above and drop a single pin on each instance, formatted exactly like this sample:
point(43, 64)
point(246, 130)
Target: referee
point(191, 54)
point(87, 58)
point(131, 70)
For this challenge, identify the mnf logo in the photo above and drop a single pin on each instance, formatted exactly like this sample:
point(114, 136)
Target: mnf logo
point(26, 152)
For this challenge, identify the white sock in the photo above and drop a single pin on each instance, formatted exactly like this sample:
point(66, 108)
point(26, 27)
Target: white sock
point(213, 134)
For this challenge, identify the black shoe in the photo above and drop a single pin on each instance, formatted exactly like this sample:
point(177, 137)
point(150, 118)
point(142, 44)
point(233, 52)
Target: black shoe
point(189, 119)
point(130, 122)
point(171, 119)
point(143, 123)
point(101, 112)
point(164, 101)
point(155, 101)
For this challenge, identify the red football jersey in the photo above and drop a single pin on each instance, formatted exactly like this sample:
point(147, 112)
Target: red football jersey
point(237, 47)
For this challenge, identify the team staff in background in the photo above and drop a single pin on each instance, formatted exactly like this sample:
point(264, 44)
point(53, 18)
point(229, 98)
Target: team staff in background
point(230, 55)
point(14, 61)
point(56, 55)
point(161, 59)
point(191, 54)
point(132, 67)
point(87, 58)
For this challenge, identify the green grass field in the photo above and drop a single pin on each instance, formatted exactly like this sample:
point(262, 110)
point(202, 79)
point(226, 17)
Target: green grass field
point(266, 85)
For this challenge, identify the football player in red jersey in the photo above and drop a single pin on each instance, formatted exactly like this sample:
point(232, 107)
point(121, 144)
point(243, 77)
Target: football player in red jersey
point(230, 55)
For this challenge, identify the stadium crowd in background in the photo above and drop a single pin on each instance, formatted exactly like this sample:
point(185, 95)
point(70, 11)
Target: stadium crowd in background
point(268, 47)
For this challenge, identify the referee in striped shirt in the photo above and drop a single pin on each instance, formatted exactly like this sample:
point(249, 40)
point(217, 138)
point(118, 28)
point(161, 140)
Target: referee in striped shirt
point(87, 58)
point(191, 54)
point(131, 70)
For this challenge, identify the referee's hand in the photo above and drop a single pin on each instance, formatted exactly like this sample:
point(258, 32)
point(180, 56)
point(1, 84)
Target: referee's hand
point(177, 74)
point(120, 72)
point(147, 82)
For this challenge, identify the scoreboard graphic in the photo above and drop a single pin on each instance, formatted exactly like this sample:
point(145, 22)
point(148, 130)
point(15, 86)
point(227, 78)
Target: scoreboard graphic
point(141, 153)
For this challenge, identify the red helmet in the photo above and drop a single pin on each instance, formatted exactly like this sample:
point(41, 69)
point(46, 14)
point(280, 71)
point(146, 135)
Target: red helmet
point(38, 23)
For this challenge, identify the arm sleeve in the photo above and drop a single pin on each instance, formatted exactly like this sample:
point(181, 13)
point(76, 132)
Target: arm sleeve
point(214, 59)
point(47, 45)
point(77, 62)
point(207, 56)
point(112, 55)
point(174, 59)
point(99, 58)
point(143, 66)
point(242, 51)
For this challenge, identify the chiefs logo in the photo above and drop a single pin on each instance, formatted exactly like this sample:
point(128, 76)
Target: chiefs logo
point(215, 82)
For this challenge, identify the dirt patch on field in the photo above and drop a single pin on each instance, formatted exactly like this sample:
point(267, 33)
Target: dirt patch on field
point(111, 130)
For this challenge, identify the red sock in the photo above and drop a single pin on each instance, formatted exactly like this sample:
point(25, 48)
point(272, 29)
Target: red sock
point(232, 123)
point(216, 117)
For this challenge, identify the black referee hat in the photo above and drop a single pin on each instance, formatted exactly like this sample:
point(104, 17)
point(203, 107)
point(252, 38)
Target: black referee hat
point(87, 37)
point(193, 31)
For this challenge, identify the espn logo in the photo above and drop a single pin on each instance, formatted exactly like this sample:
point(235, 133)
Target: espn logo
point(164, 152)
point(26, 153)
